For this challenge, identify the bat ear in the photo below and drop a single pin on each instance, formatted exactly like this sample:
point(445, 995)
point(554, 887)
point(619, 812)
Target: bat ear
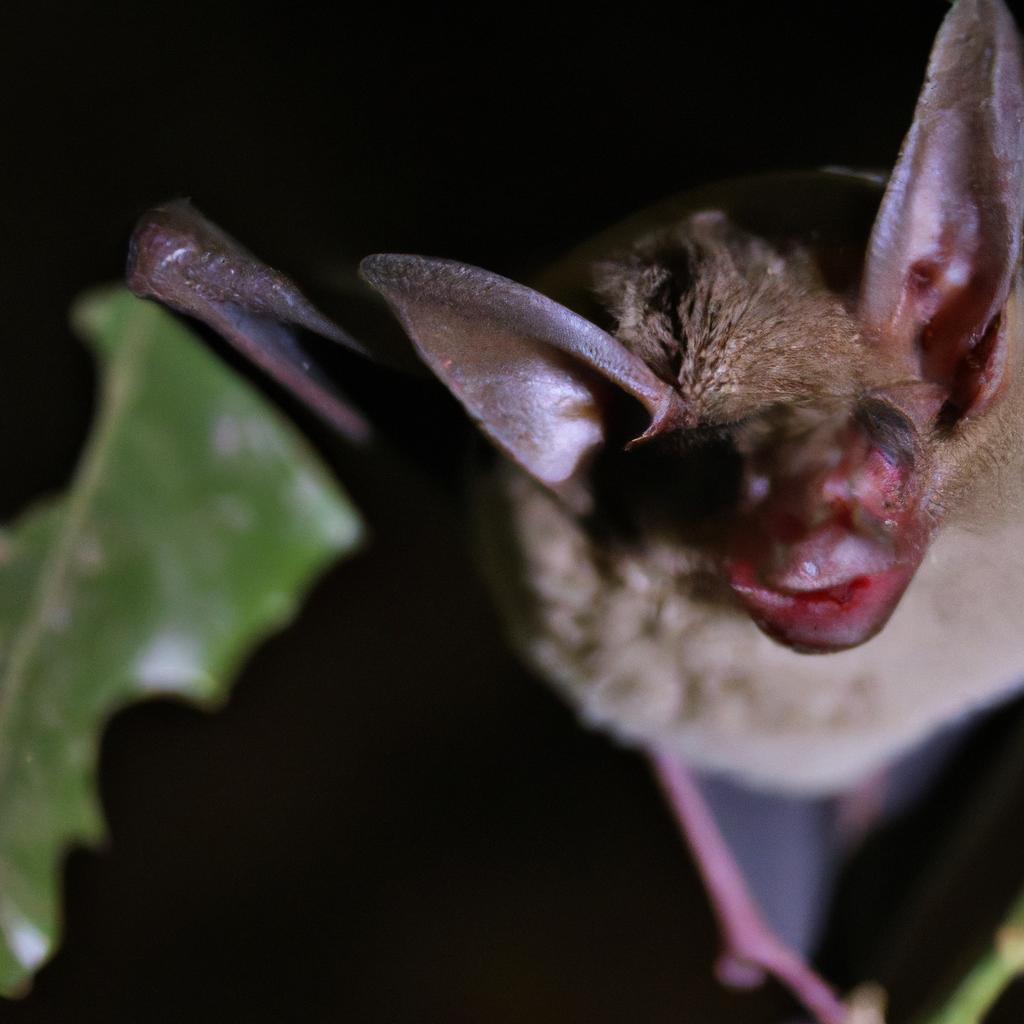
point(530, 372)
point(945, 246)
point(185, 261)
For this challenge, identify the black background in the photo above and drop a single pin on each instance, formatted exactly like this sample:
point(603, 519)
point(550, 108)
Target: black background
point(391, 822)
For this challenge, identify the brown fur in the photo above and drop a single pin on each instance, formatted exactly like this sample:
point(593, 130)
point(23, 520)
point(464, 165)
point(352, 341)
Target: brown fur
point(645, 643)
point(733, 323)
point(645, 638)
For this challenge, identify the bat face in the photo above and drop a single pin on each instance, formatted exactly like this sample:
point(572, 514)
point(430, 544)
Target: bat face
point(777, 397)
point(832, 407)
point(813, 473)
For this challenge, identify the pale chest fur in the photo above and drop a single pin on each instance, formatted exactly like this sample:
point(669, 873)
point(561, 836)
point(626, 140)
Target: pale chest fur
point(642, 647)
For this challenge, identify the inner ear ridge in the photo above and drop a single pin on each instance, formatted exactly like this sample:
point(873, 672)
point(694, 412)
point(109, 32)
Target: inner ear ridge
point(946, 243)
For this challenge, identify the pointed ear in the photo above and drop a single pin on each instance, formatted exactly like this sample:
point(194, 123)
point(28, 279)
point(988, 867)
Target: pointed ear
point(185, 261)
point(945, 246)
point(530, 372)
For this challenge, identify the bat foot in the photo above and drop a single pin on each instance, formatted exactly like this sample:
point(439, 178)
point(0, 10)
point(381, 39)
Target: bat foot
point(735, 972)
point(752, 951)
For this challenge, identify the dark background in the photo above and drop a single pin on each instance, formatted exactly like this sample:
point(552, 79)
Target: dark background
point(391, 822)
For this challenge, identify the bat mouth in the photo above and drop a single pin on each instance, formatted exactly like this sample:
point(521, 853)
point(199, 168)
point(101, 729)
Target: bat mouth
point(836, 617)
point(829, 532)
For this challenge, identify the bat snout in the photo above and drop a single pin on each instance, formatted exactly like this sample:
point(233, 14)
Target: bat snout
point(824, 547)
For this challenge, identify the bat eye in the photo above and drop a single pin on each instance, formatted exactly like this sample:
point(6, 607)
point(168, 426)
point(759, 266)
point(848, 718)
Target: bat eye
point(879, 488)
point(883, 454)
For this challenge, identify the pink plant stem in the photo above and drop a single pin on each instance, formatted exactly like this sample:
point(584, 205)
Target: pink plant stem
point(751, 950)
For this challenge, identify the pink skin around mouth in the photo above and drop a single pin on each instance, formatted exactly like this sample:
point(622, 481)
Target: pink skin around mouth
point(833, 618)
point(822, 554)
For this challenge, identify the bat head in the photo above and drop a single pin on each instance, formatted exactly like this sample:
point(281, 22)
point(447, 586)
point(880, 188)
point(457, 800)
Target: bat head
point(806, 423)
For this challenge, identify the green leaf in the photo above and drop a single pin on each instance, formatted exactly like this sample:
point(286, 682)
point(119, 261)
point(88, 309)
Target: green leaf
point(991, 975)
point(196, 519)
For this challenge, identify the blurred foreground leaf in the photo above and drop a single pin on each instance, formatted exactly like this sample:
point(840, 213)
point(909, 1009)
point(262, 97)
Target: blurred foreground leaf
point(195, 521)
point(990, 976)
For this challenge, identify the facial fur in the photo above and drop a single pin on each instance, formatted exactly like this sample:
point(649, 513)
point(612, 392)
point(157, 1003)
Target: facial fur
point(734, 324)
point(636, 622)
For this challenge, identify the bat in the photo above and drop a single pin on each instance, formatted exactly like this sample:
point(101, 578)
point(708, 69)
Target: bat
point(755, 511)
